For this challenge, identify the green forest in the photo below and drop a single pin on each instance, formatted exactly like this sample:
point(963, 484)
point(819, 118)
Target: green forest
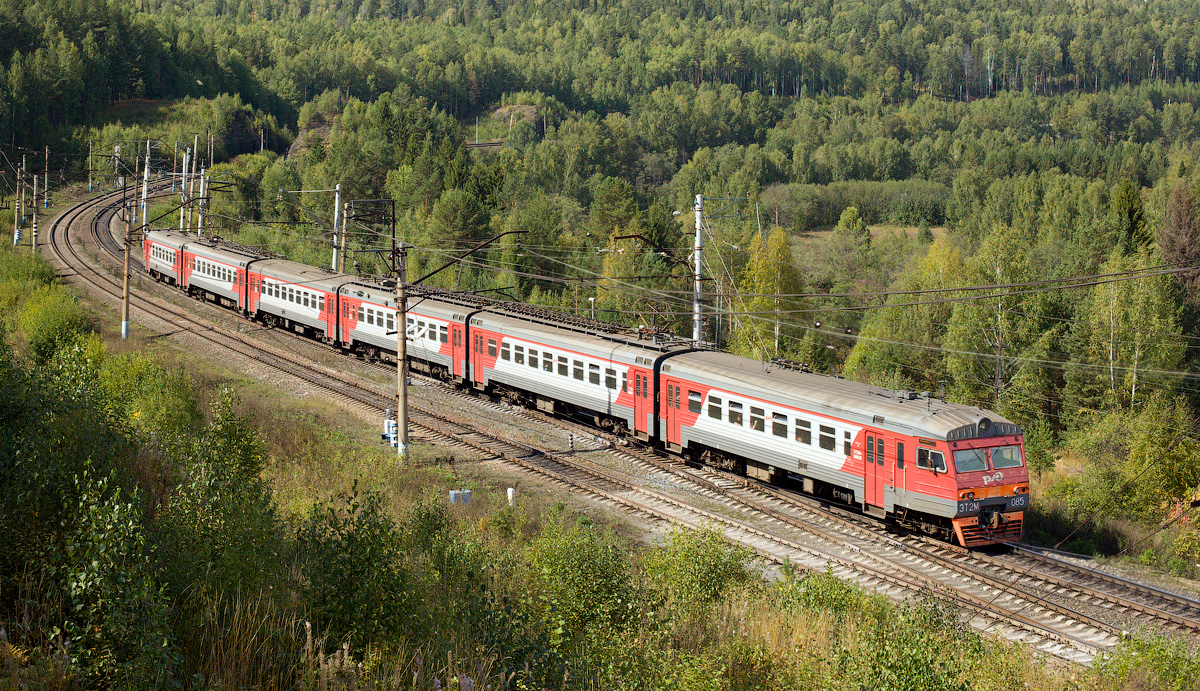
point(998, 205)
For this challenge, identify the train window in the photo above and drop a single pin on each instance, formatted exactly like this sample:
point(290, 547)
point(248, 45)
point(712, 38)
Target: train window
point(970, 460)
point(694, 401)
point(533, 358)
point(491, 347)
point(504, 352)
point(304, 299)
point(1006, 457)
point(645, 387)
point(624, 382)
point(519, 354)
point(411, 324)
point(828, 439)
point(594, 374)
point(870, 449)
point(442, 334)
point(391, 321)
point(779, 425)
point(562, 366)
point(879, 452)
point(931, 460)
point(846, 443)
point(637, 385)
point(735, 413)
point(670, 394)
point(610, 378)
point(900, 454)
point(547, 363)
point(577, 369)
point(431, 333)
point(714, 407)
point(756, 419)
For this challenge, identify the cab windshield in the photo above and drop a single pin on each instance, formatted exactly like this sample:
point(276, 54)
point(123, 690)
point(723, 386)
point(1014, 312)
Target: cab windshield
point(970, 460)
point(1006, 457)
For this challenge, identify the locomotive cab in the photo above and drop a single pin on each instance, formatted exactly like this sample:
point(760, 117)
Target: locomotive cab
point(992, 484)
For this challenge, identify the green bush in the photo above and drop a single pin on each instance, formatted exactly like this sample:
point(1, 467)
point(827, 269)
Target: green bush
point(582, 583)
point(117, 621)
point(696, 567)
point(50, 319)
point(354, 581)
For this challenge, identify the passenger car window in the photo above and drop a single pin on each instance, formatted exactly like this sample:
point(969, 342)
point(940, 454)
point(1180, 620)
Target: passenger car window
point(828, 440)
point(931, 460)
point(1006, 457)
point(593, 374)
point(694, 400)
point(970, 460)
point(757, 421)
point(803, 431)
point(610, 378)
point(714, 407)
point(735, 413)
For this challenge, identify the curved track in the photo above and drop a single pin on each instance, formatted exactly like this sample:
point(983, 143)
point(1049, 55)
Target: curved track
point(775, 524)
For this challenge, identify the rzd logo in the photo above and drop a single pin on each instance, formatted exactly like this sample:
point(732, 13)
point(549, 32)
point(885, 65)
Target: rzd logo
point(994, 477)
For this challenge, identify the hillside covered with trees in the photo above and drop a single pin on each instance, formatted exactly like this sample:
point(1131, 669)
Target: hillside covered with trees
point(994, 204)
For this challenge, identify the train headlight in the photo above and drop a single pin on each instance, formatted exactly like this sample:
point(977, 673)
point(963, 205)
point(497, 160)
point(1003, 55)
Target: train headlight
point(970, 495)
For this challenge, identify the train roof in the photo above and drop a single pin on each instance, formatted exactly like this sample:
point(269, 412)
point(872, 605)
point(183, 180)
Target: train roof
point(583, 342)
point(302, 275)
point(903, 412)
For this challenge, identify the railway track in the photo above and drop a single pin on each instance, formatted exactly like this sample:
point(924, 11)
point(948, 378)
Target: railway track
point(797, 529)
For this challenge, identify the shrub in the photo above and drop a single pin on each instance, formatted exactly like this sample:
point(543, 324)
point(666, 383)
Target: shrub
point(582, 583)
point(695, 567)
point(50, 319)
point(354, 582)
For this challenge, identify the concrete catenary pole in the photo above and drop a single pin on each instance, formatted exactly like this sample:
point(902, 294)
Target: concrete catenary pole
point(33, 236)
point(698, 258)
point(401, 359)
point(125, 275)
point(183, 193)
point(337, 210)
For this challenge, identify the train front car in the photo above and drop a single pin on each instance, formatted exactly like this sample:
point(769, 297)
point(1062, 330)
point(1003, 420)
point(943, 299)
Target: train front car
point(950, 470)
point(991, 479)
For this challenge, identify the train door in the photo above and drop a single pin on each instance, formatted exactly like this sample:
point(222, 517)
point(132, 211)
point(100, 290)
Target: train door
point(486, 349)
point(878, 472)
point(672, 399)
point(458, 349)
point(643, 403)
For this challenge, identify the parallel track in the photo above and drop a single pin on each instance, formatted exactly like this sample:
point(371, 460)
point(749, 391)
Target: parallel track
point(829, 538)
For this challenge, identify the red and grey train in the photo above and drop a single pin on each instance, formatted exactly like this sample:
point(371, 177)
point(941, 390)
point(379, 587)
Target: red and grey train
point(947, 469)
